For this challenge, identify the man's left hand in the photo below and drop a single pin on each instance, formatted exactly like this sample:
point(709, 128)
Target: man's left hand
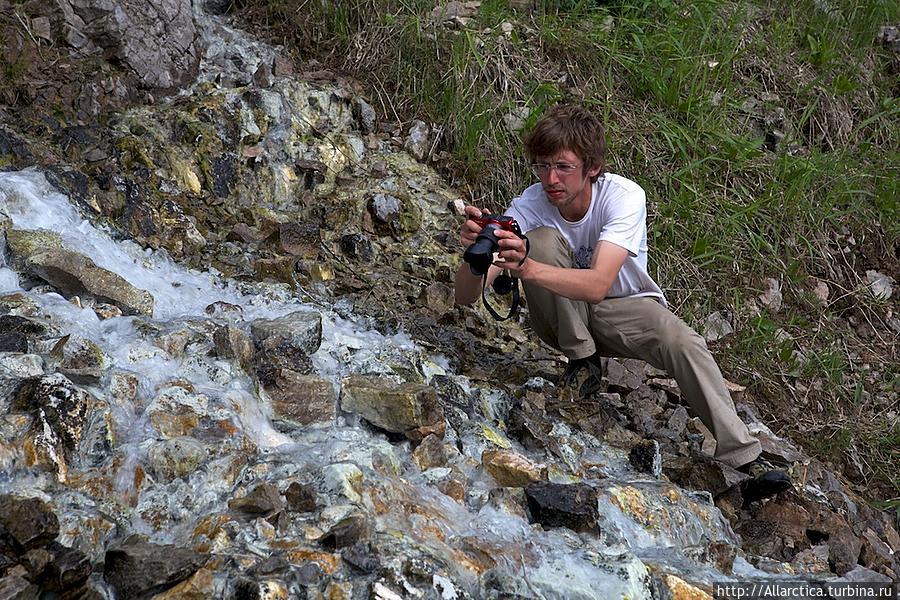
point(512, 252)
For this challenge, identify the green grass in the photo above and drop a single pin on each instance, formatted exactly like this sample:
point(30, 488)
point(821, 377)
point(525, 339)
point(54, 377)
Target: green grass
point(765, 134)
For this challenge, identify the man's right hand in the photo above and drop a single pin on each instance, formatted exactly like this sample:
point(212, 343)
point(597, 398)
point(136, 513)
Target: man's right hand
point(470, 229)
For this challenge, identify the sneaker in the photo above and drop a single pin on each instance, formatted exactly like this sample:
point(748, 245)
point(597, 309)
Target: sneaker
point(766, 480)
point(583, 374)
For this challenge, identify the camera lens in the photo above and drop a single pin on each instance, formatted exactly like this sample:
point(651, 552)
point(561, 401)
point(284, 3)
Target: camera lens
point(480, 255)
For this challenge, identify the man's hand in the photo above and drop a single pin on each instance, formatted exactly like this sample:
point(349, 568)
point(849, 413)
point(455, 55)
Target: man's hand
point(470, 229)
point(513, 252)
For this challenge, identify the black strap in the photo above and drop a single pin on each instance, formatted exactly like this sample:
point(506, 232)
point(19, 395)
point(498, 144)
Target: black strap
point(513, 285)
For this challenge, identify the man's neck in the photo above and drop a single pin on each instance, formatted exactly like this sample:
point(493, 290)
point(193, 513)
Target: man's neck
point(579, 207)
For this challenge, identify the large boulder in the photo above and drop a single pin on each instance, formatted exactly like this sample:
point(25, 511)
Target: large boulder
point(408, 408)
point(156, 39)
point(42, 254)
point(136, 568)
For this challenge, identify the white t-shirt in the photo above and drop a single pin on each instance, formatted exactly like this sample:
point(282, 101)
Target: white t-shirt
point(618, 214)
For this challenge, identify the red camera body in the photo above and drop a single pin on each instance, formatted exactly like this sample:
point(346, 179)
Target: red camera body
point(501, 221)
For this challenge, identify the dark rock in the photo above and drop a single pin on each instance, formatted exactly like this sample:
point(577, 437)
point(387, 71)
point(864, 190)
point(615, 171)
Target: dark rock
point(313, 172)
point(701, 472)
point(300, 239)
point(347, 531)
point(66, 415)
point(29, 521)
point(572, 505)
point(14, 153)
point(645, 457)
point(14, 587)
point(357, 245)
point(224, 174)
point(273, 565)
point(275, 357)
point(136, 568)
point(362, 555)
point(282, 67)
point(844, 550)
point(13, 342)
point(300, 497)
point(232, 343)
point(298, 398)
point(308, 573)
point(217, 7)
point(68, 569)
point(364, 115)
point(301, 329)
point(264, 499)
point(16, 324)
point(620, 378)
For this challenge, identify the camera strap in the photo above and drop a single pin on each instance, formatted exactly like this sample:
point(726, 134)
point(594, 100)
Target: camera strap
point(505, 284)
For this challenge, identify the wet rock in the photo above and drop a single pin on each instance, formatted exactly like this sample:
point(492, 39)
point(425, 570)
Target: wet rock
point(430, 453)
point(278, 269)
point(571, 505)
point(408, 408)
point(224, 172)
point(300, 497)
point(300, 239)
point(344, 479)
point(83, 360)
point(136, 568)
point(199, 586)
point(217, 7)
point(14, 587)
point(301, 329)
point(42, 254)
point(14, 151)
point(264, 499)
point(701, 472)
point(302, 399)
point(13, 342)
point(23, 325)
point(645, 457)
point(348, 531)
point(174, 458)
point(67, 570)
point(233, 344)
point(30, 521)
point(73, 425)
point(512, 470)
point(175, 411)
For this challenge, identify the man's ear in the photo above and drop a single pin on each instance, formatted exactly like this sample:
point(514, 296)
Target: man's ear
point(592, 173)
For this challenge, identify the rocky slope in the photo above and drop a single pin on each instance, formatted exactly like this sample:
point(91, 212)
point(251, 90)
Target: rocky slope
point(299, 409)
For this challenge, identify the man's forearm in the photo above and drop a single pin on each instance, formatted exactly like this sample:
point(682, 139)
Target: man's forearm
point(467, 287)
point(588, 285)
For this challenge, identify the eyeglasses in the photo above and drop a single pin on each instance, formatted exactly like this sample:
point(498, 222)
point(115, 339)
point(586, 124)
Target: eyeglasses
point(542, 169)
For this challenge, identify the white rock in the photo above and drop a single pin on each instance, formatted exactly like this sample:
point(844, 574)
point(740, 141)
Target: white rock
point(880, 284)
point(771, 298)
point(717, 327)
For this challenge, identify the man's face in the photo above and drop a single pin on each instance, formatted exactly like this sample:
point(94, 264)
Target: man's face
point(562, 184)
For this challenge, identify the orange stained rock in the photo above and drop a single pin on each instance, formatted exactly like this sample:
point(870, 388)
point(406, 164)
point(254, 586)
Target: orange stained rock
point(327, 561)
point(681, 590)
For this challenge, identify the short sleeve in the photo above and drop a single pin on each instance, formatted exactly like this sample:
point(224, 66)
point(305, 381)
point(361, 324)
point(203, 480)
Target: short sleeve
point(625, 220)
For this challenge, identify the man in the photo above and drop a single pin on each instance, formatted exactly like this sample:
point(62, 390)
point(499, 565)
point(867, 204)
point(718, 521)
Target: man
point(585, 278)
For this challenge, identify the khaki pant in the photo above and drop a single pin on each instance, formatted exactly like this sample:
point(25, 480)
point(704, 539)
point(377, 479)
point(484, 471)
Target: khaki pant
point(638, 328)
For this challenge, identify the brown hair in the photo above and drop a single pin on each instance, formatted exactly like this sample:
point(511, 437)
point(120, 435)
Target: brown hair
point(569, 127)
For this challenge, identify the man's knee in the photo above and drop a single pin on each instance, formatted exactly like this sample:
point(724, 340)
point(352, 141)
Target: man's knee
point(548, 246)
point(678, 338)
